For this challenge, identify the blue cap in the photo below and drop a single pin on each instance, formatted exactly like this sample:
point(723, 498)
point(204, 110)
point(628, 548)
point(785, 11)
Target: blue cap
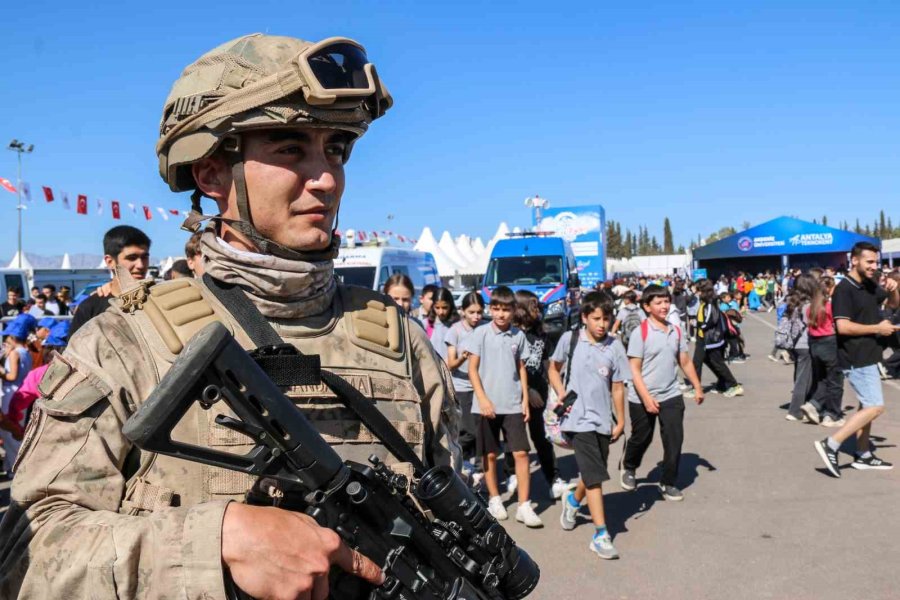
point(47, 322)
point(19, 327)
point(59, 334)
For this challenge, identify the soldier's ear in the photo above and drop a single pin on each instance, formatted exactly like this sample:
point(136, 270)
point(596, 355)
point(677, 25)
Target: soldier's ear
point(213, 177)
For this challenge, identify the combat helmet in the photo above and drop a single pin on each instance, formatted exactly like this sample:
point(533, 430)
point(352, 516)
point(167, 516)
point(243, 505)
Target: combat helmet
point(263, 82)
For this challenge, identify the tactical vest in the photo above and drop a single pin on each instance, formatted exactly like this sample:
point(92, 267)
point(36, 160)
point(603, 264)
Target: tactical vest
point(361, 337)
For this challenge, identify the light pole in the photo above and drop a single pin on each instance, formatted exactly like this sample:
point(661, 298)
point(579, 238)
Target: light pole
point(19, 148)
point(537, 204)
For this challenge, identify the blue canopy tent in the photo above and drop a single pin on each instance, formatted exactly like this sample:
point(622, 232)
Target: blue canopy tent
point(778, 244)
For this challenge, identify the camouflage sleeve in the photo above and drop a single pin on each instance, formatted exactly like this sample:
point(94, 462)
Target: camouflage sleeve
point(432, 378)
point(63, 535)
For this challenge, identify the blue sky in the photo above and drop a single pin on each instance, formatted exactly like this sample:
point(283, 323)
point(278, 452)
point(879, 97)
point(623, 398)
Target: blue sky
point(710, 113)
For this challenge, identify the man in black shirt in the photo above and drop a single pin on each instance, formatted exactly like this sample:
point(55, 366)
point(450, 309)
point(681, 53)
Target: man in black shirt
point(856, 305)
point(13, 305)
point(124, 247)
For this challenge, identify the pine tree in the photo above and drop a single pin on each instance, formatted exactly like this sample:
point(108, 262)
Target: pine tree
point(629, 242)
point(824, 219)
point(668, 242)
point(882, 226)
point(857, 229)
point(681, 249)
point(654, 246)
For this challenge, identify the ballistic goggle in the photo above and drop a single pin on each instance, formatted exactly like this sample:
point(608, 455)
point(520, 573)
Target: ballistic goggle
point(338, 68)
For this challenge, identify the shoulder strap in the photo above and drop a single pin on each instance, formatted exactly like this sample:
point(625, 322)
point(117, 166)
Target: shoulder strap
point(645, 331)
point(261, 332)
point(573, 342)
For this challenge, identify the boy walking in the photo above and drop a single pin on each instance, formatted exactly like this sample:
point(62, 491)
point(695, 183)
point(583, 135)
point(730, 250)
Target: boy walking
point(500, 382)
point(596, 371)
point(655, 351)
point(856, 305)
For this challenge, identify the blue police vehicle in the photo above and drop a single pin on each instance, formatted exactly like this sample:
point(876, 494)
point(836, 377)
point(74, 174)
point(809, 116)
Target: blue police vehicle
point(542, 264)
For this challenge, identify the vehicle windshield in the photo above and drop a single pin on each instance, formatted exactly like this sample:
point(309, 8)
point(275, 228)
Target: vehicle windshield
point(524, 270)
point(361, 276)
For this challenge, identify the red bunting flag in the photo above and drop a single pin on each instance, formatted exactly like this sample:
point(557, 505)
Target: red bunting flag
point(81, 207)
point(48, 193)
point(7, 185)
point(115, 210)
point(174, 211)
point(361, 235)
point(147, 214)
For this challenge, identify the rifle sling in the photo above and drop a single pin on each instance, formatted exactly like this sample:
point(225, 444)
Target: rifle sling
point(298, 366)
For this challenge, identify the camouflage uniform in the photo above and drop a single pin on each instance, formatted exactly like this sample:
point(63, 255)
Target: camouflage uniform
point(92, 516)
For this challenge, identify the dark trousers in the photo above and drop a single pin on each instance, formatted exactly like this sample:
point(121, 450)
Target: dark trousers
point(671, 430)
point(828, 378)
point(714, 358)
point(466, 425)
point(543, 447)
point(802, 380)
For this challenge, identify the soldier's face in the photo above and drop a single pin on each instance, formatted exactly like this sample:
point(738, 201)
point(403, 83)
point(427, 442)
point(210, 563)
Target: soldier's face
point(295, 180)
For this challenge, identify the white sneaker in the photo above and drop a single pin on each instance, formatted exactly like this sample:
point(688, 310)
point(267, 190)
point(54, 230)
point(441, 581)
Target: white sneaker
point(511, 484)
point(829, 422)
point(569, 512)
point(560, 487)
point(477, 478)
point(525, 514)
point(496, 508)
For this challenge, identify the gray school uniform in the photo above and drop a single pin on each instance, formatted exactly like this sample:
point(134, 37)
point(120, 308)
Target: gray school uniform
point(438, 335)
point(500, 353)
point(457, 335)
point(660, 354)
point(595, 367)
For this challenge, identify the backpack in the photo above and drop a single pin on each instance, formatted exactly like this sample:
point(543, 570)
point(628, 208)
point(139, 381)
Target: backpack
point(631, 322)
point(789, 331)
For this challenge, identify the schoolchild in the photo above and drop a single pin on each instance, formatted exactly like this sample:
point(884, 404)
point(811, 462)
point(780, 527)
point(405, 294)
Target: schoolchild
point(497, 355)
point(596, 371)
point(458, 361)
point(441, 317)
point(400, 288)
point(537, 342)
point(655, 351)
point(629, 316)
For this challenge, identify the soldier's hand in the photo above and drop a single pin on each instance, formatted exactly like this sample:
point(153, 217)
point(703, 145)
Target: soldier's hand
point(275, 554)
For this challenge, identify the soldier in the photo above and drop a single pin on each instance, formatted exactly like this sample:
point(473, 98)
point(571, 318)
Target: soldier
point(262, 125)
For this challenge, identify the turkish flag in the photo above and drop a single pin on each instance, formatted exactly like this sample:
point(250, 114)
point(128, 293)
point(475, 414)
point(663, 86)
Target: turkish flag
point(81, 207)
point(48, 193)
point(174, 211)
point(147, 214)
point(7, 185)
point(361, 235)
point(115, 210)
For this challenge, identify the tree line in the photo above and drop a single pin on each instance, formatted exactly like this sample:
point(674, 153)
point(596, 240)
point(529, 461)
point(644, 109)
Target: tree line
point(641, 243)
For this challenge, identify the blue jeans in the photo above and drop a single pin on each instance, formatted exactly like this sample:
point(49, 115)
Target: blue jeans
point(866, 383)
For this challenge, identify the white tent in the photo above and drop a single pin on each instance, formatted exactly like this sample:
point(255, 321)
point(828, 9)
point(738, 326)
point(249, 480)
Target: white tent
point(445, 265)
point(890, 251)
point(478, 247)
point(464, 247)
point(14, 263)
point(449, 247)
point(66, 262)
point(102, 264)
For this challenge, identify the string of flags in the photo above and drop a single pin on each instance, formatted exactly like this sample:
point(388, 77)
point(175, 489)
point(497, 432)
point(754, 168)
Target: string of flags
point(82, 206)
point(116, 209)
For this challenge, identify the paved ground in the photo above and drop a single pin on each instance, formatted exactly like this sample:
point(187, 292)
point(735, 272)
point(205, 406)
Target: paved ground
point(760, 518)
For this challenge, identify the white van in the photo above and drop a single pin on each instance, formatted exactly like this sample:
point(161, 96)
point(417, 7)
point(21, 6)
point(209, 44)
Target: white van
point(370, 267)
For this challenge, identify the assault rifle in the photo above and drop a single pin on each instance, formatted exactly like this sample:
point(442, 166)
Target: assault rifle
point(457, 552)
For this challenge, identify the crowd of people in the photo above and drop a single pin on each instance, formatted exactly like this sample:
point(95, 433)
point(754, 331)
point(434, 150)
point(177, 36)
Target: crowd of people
point(517, 388)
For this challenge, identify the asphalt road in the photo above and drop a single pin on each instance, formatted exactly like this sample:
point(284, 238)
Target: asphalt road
point(760, 518)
